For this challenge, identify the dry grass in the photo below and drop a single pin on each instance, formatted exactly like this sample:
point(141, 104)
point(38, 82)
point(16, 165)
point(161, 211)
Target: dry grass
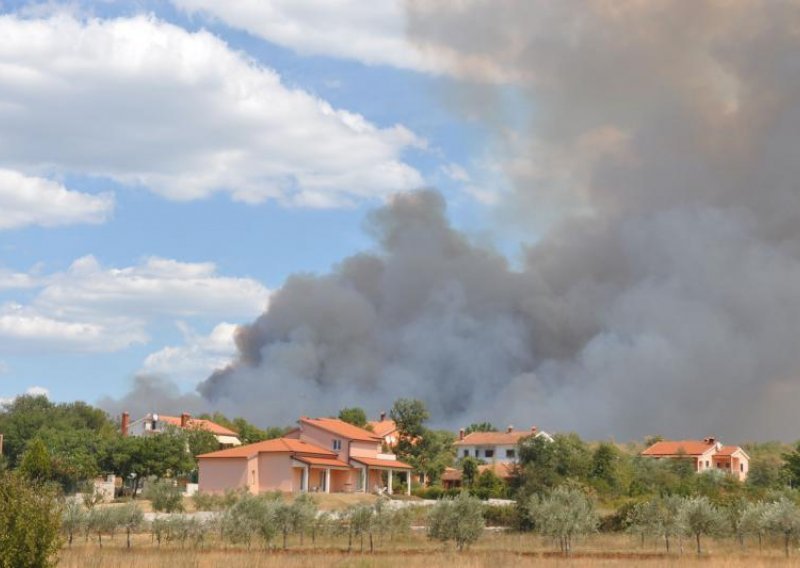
point(416, 551)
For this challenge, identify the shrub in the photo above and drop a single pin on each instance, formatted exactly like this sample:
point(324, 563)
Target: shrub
point(165, 496)
point(29, 524)
point(501, 516)
point(563, 514)
point(459, 519)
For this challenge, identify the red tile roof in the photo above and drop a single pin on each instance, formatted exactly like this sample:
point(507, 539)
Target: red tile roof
point(199, 424)
point(680, 447)
point(493, 438)
point(323, 462)
point(341, 428)
point(383, 428)
point(729, 451)
point(278, 445)
point(377, 462)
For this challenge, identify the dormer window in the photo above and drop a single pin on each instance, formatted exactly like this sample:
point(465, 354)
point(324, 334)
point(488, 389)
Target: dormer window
point(337, 444)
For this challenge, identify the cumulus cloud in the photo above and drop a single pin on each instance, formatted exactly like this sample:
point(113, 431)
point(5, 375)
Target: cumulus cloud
point(150, 104)
point(90, 307)
point(26, 200)
point(196, 358)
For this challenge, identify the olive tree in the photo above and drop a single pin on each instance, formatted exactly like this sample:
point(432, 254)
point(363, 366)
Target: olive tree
point(459, 519)
point(782, 517)
point(73, 517)
point(753, 521)
point(130, 518)
point(563, 514)
point(700, 517)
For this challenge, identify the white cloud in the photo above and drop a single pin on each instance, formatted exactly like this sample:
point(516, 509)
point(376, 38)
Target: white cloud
point(150, 104)
point(197, 358)
point(16, 280)
point(33, 391)
point(90, 307)
point(28, 200)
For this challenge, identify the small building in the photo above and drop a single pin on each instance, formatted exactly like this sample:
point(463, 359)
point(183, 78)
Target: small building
point(322, 454)
point(706, 455)
point(153, 424)
point(494, 446)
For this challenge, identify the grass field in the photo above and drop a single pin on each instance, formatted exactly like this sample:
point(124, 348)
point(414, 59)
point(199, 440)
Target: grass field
point(493, 550)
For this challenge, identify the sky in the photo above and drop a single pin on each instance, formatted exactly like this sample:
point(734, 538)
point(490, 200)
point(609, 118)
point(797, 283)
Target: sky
point(164, 168)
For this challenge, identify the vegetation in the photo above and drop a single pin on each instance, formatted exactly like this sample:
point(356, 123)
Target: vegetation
point(459, 519)
point(355, 416)
point(165, 496)
point(563, 514)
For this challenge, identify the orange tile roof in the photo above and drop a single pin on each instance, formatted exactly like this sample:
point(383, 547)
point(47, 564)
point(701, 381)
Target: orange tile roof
point(383, 428)
point(501, 469)
point(451, 474)
point(680, 447)
point(493, 438)
point(324, 462)
point(729, 451)
point(199, 424)
point(342, 428)
point(278, 445)
point(376, 462)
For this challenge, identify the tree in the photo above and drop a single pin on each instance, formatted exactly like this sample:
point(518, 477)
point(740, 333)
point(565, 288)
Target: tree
point(782, 517)
point(792, 466)
point(480, 427)
point(29, 524)
point(489, 485)
point(355, 416)
point(563, 514)
point(73, 517)
point(428, 451)
point(410, 416)
point(700, 517)
point(459, 519)
point(754, 521)
point(645, 519)
point(469, 471)
point(36, 464)
point(130, 517)
point(165, 496)
point(359, 522)
point(605, 462)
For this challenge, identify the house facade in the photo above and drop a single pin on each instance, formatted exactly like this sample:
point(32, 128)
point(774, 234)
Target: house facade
point(705, 455)
point(152, 424)
point(494, 446)
point(321, 455)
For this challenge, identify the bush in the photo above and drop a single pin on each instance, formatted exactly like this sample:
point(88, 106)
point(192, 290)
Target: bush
point(563, 514)
point(501, 516)
point(459, 519)
point(29, 524)
point(165, 496)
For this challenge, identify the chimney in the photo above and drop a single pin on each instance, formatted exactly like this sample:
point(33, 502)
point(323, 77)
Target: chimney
point(185, 419)
point(710, 440)
point(461, 434)
point(383, 416)
point(534, 429)
point(125, 424)
point(510, 428)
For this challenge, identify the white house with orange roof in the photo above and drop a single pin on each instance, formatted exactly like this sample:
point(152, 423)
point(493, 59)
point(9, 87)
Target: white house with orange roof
point(322, 454)
point(706, 455)
point(494, 446)
point(154, 423)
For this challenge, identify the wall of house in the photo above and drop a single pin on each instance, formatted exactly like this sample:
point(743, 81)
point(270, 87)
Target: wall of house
point(365, 449)
point(275, 473)
point(322, 438)
point(217, 475)
point(499, 452)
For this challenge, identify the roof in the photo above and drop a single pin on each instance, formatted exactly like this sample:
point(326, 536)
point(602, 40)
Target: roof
point(277, 445)
point(377, 462)
point(325, 462)
point(494, 438)
point(199, 424)
point(500, 469)
point(382, 428)
point(342, 428)
point(680, 447)
point(730, 450)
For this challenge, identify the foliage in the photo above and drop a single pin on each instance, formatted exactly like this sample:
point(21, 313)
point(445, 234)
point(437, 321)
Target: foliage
point(460, 520)
point(130, 517)
point(248, 433)
point(563, 514)
point(782, 517)
point(480, 427)
point(36, 464)
point(354, 415)
point(700, 517)
point(164, 495)
point(489, 485)
point(501, 516)
point(469, 471)
point(29, 523)
point(410, 416)
point(73, 518)
point(428, 451)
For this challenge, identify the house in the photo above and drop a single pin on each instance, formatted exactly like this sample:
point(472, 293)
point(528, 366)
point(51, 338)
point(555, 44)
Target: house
point(494, 446)
point(156, 423)
point(452, 477)
point(385, 428)
point(321, 454)
point(706, 455)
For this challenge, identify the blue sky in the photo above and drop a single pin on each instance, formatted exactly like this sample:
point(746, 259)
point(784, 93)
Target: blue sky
point(126, 250)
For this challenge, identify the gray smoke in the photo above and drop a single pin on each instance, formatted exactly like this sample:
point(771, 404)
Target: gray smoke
point(660, 146)
point(151, 393)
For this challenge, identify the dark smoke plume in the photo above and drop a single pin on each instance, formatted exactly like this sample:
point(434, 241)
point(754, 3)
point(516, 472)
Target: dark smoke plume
point(662, 146)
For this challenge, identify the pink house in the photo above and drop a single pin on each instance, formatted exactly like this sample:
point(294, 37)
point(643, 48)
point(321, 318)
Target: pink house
point(705, 455)
point(322, 454)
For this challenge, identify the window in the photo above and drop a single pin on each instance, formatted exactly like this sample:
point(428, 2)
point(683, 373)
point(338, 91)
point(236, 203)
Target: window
point(707, 463)
point(489, 453)
point(509, 453)
point(337, 444)
point(741, 467)
point(719, 465)
point(466, 453)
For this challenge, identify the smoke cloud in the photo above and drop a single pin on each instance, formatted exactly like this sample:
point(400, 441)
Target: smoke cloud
point(658, 161)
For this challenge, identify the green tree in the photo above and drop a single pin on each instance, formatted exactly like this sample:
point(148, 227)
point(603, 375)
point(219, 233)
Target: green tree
point(783, 518)
point(164, 496)
point(700, 517)
point(605, 465)
point(410, 416)
point(488, 485)
point(73, 517)
point(130, 518)
point(563, 514)
point(355, 416)
point(36, 464)
point(754, 521)
point(480, 427)
point(792, 466)
point(459, 519)
point(29, 524)
point(469, 471)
